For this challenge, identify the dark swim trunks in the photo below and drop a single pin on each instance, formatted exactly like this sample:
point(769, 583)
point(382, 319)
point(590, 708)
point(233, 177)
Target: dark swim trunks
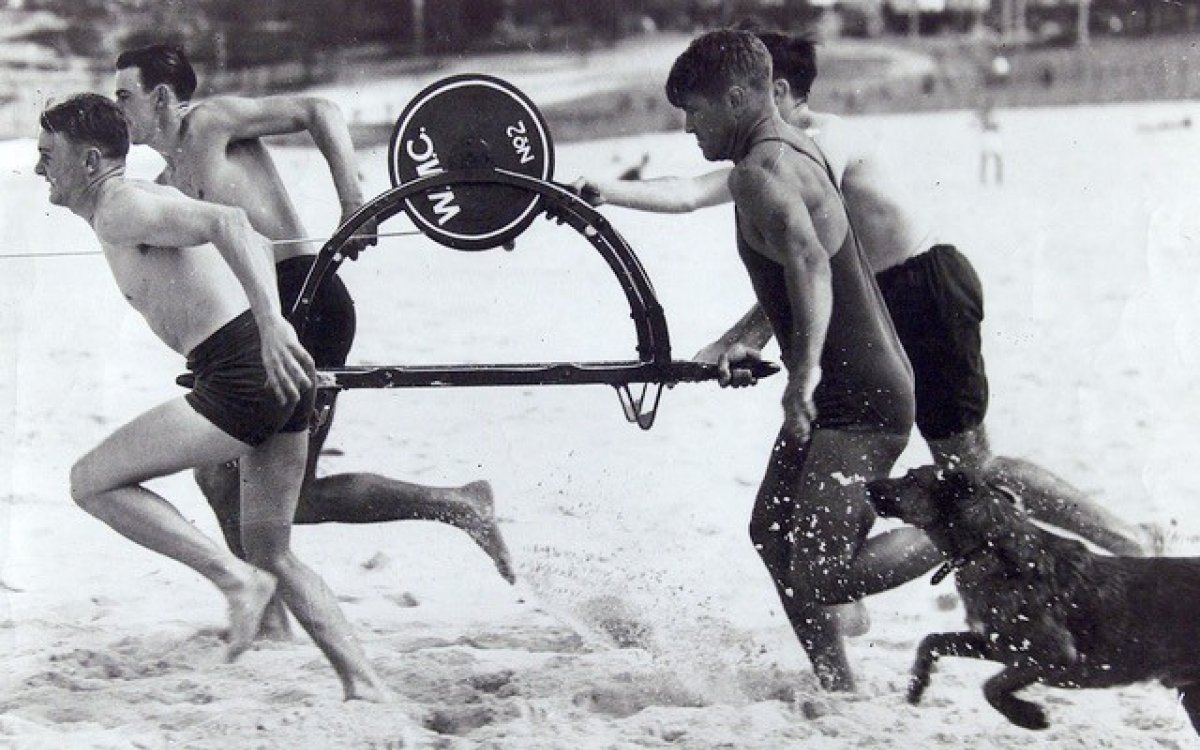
point(231, 386)
point(936, 302)
point(329, 332)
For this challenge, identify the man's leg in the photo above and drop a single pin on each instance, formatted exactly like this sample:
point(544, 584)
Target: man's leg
point(271, 478)
point(356, 498)
point(165, 440)
point(1047, 497)
point(810, 523)
point(373, 498)
point(221, 486)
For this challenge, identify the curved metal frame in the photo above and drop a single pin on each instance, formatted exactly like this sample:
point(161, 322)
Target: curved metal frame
point(653, 366)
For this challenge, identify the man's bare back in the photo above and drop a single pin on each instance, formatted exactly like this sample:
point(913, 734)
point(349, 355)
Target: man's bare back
point(888, 228)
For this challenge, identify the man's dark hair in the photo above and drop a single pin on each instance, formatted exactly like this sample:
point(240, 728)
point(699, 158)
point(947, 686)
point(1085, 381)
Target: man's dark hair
point(717, 60)
point(161, 63)
point(90, 120)
point(793, 58)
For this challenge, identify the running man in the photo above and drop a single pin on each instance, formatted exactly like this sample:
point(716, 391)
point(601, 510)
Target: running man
point(848, 402)
point(932, 292)
point(202, 278)
point(213, 152)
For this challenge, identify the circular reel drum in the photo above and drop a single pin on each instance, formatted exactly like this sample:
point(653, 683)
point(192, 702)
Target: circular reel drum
point(466, 123)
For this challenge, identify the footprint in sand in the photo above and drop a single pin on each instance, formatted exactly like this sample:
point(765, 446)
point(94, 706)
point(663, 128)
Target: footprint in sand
point(459, 720)
point(624, 699)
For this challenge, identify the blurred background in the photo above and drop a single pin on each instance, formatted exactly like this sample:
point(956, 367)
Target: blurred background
point(877, 55)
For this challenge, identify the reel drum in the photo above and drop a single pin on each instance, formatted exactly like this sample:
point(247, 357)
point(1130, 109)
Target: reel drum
point(467, 123)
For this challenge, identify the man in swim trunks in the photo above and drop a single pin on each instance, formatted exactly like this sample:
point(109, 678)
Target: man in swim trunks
point(848, 402)
point(933, 295)
point(202, 279)
point(213, 152)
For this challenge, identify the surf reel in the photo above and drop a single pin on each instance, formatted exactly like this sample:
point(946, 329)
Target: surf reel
point(466, 123)
point(471, 163)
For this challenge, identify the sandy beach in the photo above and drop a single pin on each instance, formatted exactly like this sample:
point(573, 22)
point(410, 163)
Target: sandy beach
point(642, 617)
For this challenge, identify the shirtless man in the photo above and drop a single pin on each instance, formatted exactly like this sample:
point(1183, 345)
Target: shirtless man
point(848, 402)
point(218, 306)
point(213, 152)
point(932, 292)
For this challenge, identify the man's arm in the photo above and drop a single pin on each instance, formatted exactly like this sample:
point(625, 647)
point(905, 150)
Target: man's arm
point(741, 345)
point(752, 330)
point(772, 210)
point(667, 195)
point(239, 118)
point(172, 220)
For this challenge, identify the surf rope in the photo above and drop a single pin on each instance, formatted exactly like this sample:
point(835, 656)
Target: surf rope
point(84, 253)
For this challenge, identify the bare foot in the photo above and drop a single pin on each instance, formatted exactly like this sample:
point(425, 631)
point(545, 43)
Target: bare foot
point(246, 607)
point(369, 689)
point(483, 529)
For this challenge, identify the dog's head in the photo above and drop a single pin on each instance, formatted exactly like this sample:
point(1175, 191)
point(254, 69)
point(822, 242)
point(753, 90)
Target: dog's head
point(924, 497)
point(959, 511)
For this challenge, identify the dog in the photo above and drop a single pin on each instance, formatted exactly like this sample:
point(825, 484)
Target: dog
point(1045, 606)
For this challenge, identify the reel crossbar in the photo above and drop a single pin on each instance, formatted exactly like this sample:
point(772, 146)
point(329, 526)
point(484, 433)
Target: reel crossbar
point(471, 163)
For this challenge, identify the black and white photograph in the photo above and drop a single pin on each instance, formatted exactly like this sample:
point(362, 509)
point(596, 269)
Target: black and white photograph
point(609, 375)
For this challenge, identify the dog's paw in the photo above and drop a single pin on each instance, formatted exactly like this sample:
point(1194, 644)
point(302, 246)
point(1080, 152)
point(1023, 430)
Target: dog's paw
point(915, 692)
point(916, 687)
point(1024, 714)
point(918, 675)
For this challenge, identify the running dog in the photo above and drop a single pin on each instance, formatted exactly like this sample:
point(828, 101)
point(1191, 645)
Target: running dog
point(1045, 606)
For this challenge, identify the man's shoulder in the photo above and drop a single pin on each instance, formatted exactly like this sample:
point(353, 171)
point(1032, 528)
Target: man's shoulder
point(751, 172)
point(826, 120)
point(773, 168)
point(791, 154)
point(126, 199)
point(213, 116)
point(217, 106)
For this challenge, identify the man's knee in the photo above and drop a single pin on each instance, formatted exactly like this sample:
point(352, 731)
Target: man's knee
point(86, 484)
point(266, 542)
point(769, 537)
point(968, 451)
point(806, 571)
point(275, 558)
point(826, 583)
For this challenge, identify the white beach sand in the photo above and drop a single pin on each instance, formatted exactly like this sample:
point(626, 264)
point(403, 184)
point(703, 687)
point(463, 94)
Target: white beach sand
point(642, 618)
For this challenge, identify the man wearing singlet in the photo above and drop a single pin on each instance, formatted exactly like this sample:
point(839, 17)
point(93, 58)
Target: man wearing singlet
point(848, 403)
point(214, 152)
point(933, 294)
